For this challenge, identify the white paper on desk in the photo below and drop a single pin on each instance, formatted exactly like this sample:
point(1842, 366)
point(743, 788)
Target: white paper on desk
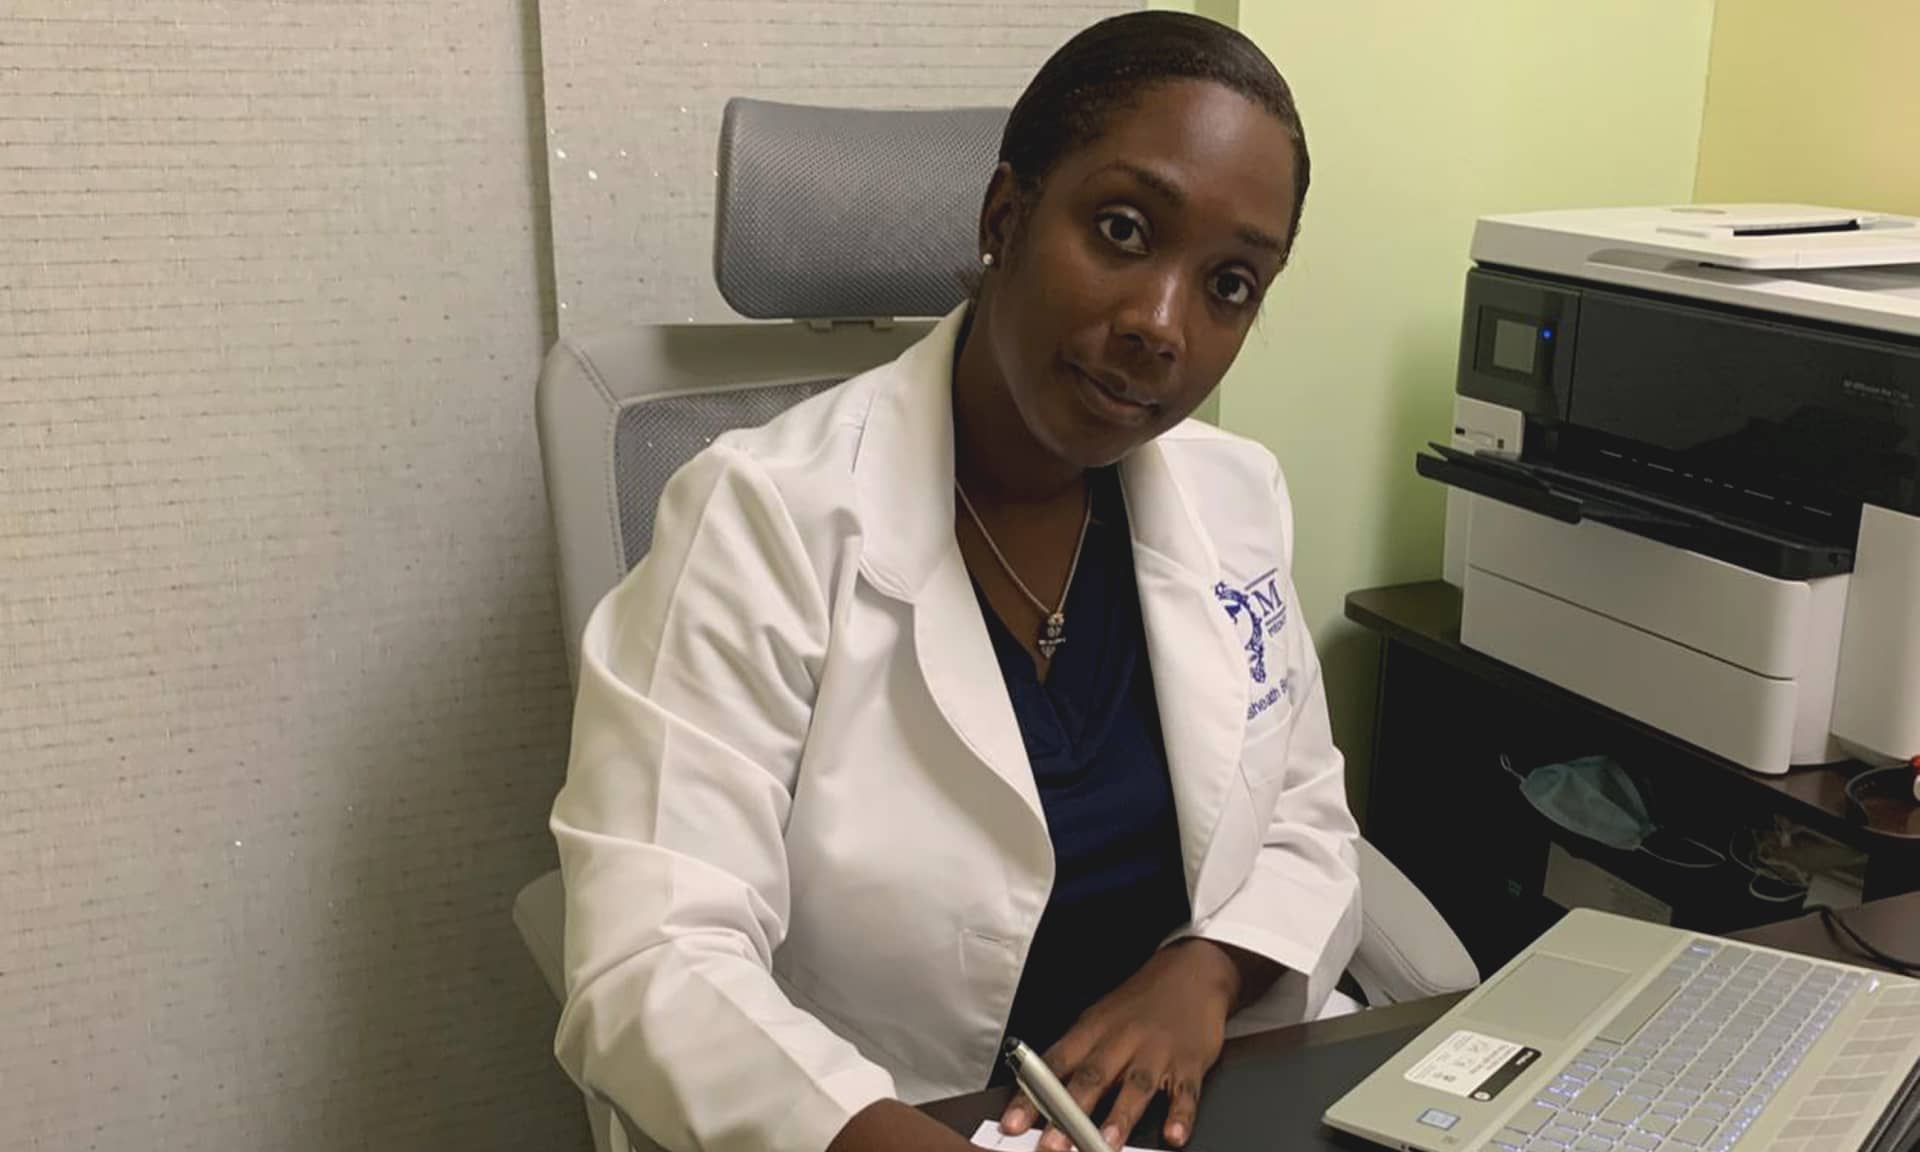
point(988, 1135)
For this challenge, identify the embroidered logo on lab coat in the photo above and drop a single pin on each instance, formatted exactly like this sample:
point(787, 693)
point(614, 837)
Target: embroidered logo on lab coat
point(1258, 612)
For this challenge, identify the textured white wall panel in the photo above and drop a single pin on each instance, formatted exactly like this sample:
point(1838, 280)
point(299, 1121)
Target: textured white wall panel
point(282, 699)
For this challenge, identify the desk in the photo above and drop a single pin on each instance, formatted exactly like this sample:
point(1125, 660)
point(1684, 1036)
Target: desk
point(1348, 1039)
point(1269, 1090)
point(1276, 1084)
point(1440, 806)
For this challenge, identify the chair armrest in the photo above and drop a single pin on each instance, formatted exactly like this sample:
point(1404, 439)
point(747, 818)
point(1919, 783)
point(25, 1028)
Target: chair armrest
point(540, 912)
point(1406, 951)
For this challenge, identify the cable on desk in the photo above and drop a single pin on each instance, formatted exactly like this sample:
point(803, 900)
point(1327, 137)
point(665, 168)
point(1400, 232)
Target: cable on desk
point(1784, 873)
point(1839, 928)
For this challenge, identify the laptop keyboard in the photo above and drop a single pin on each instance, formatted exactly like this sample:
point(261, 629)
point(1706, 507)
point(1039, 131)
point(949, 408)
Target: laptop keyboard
point(1691, 1062)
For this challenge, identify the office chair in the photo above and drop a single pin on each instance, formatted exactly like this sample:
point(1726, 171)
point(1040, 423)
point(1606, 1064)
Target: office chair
point(834, 221)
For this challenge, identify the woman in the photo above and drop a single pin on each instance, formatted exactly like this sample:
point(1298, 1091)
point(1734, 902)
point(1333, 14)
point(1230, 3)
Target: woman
point(968, 700)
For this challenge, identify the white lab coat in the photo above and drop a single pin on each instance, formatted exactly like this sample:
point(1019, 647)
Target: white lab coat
point(804, 854)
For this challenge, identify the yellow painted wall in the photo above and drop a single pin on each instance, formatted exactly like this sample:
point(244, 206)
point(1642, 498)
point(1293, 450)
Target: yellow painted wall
point(1422, 117)
point(1225, 11)
point(1814, 103)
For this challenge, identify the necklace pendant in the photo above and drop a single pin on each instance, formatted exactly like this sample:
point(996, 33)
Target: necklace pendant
point(1053, 633)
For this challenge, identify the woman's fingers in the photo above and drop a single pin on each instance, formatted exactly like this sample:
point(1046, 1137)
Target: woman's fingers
point(1138, 1085)
point(1088, 1080)
point(1086, 1083)
point(1139, 1070)
point(1018, 1117)
point(1071, 1049)
point(1183, 1101)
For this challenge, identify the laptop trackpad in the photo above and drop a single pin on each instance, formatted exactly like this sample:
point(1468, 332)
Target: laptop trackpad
point(1548, 996)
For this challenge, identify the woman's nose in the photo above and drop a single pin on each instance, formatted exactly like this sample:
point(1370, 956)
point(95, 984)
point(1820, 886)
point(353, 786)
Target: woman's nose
point(1153, 316)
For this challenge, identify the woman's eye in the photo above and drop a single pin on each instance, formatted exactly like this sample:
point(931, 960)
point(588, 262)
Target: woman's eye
point(1233, 288)
point(1123, 232)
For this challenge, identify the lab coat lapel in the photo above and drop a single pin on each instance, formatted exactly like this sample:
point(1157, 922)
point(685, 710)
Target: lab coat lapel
point(962, 673)
point(1199, 671)
point(904, 474)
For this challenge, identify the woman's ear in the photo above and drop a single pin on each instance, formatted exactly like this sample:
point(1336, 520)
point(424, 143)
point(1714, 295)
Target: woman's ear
point(999, 213)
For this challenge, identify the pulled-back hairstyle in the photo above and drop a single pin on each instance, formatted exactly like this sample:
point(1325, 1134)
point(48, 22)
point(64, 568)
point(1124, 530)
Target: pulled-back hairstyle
point(1112, 65)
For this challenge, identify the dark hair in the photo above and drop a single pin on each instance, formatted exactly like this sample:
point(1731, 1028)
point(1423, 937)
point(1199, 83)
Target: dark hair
point(1110, 65)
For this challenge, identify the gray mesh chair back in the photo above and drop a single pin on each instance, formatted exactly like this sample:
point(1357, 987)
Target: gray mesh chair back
point(826, 213)
point(839, 222)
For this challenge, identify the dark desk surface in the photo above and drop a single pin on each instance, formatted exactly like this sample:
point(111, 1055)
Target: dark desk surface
point(1891, 925)
point(1269, 1089)
point(1387, 1028)
point(1426, 617)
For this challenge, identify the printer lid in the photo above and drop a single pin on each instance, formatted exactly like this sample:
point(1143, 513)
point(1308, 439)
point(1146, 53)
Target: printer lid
point(1836, 265)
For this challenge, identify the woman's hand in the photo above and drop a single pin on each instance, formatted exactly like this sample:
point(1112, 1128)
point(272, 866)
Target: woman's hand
point(1159, 1032)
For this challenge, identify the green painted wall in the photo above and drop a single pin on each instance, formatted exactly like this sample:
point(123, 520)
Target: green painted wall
point(1422, 117)
point(1225, 11)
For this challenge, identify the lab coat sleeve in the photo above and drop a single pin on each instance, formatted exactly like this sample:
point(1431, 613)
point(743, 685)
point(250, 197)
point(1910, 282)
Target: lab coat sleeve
point(697, 680)
point(1300, 906)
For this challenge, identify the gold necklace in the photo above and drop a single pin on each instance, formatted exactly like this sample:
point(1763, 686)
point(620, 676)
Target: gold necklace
point(1053, 624)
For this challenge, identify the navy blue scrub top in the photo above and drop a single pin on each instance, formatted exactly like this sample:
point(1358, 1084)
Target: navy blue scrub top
point(1092, 733)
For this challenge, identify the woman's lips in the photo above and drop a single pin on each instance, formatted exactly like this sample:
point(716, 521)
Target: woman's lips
point(1111, 402)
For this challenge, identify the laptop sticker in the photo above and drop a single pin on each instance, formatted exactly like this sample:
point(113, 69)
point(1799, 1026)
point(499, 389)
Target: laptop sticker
point(1472, 1065)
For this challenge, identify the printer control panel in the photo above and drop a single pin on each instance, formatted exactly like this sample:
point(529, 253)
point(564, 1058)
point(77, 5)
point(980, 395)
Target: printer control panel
point(1516, 344)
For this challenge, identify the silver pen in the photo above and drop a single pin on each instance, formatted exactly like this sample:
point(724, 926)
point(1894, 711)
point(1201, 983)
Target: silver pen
point(1051, 1097)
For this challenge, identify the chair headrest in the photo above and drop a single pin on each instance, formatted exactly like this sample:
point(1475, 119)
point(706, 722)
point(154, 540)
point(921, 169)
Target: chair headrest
point(827, 213)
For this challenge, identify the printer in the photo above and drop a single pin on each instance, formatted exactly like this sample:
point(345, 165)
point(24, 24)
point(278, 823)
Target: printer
point(1684, 475)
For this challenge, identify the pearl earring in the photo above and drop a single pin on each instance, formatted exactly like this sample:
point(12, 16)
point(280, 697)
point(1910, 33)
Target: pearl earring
point(986, 259)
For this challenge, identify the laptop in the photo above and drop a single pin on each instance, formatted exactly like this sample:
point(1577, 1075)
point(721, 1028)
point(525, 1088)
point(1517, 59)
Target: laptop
point(1614, 1035)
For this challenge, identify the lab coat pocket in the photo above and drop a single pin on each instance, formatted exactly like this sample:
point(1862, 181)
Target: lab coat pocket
point(989, 964)
point(990, 967)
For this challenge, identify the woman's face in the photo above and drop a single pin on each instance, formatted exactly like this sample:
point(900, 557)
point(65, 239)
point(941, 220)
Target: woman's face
point(1123, 291)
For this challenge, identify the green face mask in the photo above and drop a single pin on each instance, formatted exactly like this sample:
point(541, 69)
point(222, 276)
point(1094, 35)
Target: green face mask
point(1593, 797)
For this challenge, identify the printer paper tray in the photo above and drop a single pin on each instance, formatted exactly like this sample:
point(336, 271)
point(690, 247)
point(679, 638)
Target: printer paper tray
point(1570, 499)
point(1704, 700)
